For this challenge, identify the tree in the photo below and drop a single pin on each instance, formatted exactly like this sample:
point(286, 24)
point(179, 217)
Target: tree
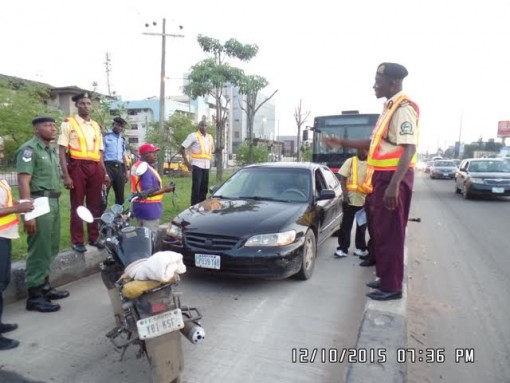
point(258, 154)
point(210, 76)
point(300, 116)
point(250, 86)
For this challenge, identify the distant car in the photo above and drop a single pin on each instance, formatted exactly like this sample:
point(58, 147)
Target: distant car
point(421, 165)
point(428, 166)
point(265, 221)
point(483, 176)
point(443, 169)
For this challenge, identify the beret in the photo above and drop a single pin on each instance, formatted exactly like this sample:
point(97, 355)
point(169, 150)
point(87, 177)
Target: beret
point(41, 119)
point(78, 97)
point(120, 120)
point(392, 70)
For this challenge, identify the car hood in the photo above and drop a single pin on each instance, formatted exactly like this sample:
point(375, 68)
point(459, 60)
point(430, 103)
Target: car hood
point(240, 217)
point(489, 175)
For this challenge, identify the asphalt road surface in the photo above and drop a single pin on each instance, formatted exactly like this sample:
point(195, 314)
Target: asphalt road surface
point(252, 327)
point(459, 286)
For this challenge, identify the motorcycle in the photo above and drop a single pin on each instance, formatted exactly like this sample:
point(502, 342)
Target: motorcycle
point(148, 314)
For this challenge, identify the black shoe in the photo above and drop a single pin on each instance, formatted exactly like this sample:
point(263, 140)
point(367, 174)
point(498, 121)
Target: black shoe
point(50, 293)
point(367, 262)
point(384, 295)
point(7, 344)
point(6, 327)
point(79, 247)
point(42, 304)
point(374, 284)
point(97, 244)
point(363, 257)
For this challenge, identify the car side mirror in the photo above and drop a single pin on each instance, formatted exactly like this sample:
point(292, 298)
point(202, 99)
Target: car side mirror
point(141, 169)
point(326, 194)
point(213, 189)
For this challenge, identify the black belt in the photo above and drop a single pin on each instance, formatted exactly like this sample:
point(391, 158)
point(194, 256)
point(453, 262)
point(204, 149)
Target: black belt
point(46, 193)
point(114, 163)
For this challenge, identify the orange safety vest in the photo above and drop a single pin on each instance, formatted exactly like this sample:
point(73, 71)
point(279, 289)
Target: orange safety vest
point(137, 188)
point(82, 152)
point(12, 219)
point(388, 161)
point(205, 153)
point(353, 184)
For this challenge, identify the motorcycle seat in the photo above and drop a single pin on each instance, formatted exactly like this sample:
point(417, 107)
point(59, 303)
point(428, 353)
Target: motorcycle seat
point(133, 289)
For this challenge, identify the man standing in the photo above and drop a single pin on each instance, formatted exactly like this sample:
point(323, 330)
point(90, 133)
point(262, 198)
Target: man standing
point(391, 160)
point(38, 176)
point(352, 176)
point(114, 159)
point(148, 211)
point(81, 160)
point(202, 148)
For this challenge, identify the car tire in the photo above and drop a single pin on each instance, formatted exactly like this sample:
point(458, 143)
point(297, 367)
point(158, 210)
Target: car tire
point(309, 256)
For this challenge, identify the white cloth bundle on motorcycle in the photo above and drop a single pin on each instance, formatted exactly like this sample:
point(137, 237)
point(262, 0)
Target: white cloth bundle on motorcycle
point(160, 266)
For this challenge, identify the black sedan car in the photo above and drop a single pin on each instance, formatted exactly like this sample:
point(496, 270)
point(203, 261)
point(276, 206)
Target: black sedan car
point(265, 221)
point(483, 176)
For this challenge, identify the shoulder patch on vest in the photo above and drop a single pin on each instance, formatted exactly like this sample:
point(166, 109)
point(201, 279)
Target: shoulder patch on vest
point(406, 128)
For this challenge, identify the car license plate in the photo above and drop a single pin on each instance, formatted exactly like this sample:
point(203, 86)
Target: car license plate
point(498, 190)
point(160, 324)
point(207, 261)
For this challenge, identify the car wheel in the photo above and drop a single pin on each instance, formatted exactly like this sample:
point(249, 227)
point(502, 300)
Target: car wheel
point(465, 193)
point(309, 256)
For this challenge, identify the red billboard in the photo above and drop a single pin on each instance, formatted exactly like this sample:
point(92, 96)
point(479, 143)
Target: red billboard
point(504, 129)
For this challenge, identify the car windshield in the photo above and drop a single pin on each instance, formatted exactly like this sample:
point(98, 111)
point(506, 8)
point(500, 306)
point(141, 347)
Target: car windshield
point(445, 164)
point(267, 183)
point(489, 166)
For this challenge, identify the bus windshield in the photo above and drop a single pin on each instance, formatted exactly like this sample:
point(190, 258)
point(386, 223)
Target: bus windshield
point(352, 127)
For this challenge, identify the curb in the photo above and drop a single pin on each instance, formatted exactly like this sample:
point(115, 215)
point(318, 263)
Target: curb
point(381, 337)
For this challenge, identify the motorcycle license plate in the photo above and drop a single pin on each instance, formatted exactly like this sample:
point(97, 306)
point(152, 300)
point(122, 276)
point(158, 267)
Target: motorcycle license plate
point(498, 190)
point(160, 324)
point(208, 261)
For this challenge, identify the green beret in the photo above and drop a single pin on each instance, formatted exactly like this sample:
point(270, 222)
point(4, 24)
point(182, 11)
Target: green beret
point(392, 70)
point(41, 119)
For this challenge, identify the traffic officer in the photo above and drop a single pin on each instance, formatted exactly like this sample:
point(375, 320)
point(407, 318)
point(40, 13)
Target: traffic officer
point(39, 176)
point(202, 148)
point(391, 160)
point(114, 159)
point(81, 160)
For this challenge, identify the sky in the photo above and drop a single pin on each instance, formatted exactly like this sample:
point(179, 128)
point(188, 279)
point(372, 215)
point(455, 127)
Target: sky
point(321, 52)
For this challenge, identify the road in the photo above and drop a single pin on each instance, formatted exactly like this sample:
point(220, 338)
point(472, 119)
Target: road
point(459, 285)
point(252, 327)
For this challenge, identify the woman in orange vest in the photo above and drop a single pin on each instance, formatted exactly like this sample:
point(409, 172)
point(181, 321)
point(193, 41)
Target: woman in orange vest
point(8, 231)
point(391, 160)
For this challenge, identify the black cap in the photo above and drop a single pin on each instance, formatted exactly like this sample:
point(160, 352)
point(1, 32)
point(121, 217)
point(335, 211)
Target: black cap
point(78, 97)
point(392, 70)
point(41, 119)
point(120, 120)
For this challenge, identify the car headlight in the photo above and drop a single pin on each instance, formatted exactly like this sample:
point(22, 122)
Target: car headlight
point(476, 180)
point(174, 231)
point(274, 239)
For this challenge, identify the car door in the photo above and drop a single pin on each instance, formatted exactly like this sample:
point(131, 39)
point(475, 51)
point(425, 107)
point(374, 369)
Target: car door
point(330, 211)
point(461, 175)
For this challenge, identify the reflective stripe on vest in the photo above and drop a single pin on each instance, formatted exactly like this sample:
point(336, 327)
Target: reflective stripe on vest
point(137, 188)
point(10, 219)
point(205, 153)
point(82, 153)
point(353, 184)
point(388, 161)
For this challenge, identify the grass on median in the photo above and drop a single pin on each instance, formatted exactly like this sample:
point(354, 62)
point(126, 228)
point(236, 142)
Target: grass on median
point(173, 204)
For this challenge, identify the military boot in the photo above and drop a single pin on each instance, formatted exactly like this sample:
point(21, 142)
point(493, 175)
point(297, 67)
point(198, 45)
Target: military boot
point(51, 293)
point(37, 301)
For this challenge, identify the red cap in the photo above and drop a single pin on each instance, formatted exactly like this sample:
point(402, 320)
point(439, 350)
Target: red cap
point(147, 148)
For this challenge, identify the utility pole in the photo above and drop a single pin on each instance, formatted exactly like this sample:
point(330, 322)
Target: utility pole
point(163, 35)
point(108, 65)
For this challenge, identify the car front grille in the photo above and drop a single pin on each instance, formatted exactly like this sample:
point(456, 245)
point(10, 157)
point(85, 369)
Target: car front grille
point(199, 241)
point(497, 182)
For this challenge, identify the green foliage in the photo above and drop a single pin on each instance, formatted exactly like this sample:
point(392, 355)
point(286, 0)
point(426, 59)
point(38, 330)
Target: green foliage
point(20, 102)
point(307, 154)
point(101, 110)
point(260, 154)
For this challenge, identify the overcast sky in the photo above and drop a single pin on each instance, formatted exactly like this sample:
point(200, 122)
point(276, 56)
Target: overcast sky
point(322, 52)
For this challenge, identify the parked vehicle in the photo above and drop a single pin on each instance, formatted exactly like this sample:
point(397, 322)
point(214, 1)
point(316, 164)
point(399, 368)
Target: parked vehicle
point(429, 166)
point(483, 176)
point(148, 314)
point(265, 221)
point(443, 169)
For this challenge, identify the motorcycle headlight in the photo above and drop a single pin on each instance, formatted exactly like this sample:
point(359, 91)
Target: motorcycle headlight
point(476, 180)
point(174, 231)
point(274, 239)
